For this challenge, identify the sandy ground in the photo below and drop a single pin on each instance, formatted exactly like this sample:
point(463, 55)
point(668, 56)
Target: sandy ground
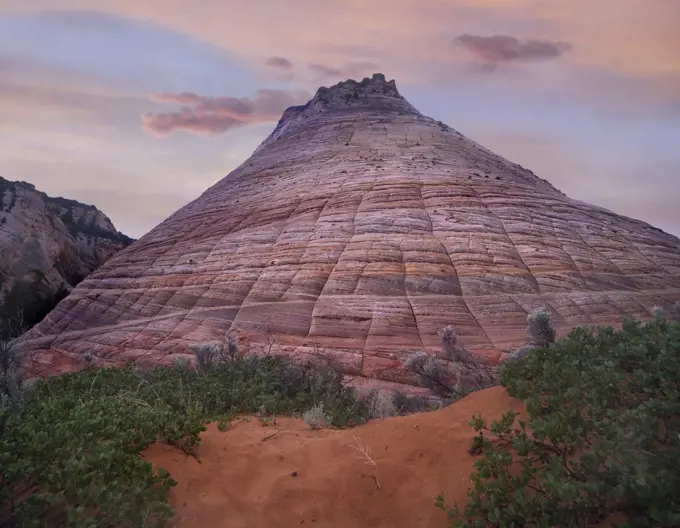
point(285, 475)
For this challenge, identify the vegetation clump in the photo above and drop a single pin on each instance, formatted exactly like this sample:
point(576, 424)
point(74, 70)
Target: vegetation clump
point(70, 446)
point(316, 417)
point(458, 373)
point(215, 352)
point(431, 372)
point(381, 404)
point(540, 327)
point(601, 437)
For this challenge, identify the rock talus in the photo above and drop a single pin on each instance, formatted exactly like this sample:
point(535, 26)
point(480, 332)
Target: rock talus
point(358, 229)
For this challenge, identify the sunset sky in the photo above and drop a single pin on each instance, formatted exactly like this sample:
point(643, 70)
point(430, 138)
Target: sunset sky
point(137, 106)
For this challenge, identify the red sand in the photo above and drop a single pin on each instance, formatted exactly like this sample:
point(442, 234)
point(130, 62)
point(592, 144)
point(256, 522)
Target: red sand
point(243, 477)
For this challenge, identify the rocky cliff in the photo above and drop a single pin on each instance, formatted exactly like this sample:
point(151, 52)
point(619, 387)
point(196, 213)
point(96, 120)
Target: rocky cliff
point(359, 228)
point(47, 246)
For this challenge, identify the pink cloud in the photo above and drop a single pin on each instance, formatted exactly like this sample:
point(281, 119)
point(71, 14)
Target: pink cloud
point(506, 48)
point(216, 115)
point(279, 62)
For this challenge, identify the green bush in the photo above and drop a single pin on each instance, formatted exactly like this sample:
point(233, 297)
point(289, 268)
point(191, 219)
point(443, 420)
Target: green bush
point(602, 435)
point(70, 455)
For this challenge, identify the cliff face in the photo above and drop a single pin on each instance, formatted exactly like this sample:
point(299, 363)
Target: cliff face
point(360, 228)
point(47, 246)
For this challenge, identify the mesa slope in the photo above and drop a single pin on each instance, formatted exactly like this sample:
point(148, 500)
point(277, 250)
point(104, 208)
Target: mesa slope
point(358, 229)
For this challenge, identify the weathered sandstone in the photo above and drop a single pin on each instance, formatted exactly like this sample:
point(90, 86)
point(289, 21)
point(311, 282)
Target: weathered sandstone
point(359, 228)
point(48, 244)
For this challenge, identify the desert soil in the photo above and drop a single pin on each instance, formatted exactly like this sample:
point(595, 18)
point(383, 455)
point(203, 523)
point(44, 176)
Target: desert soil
point(284, 474)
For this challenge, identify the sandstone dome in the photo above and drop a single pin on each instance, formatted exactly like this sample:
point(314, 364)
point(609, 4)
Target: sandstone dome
point(358, 229)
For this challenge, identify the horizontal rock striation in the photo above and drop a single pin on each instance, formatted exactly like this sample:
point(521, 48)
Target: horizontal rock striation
point(358, 229)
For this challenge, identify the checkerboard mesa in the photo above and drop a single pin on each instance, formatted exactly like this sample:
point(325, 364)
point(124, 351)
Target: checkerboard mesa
point(356, 232)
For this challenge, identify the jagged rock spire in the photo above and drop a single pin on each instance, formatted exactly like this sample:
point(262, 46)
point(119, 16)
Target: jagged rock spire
point(351, 93)
point(373, 94)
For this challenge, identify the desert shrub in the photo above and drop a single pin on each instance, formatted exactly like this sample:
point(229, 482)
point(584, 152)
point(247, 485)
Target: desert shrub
point(469, 365)
point(461, 373)
point(69, 456)
point(315, 417)
point(215, 352)
point(408, 404)
point(380, 404)
point(658, 311)
point(673, 312)
point(602, 436)
point(453, 348)
point(179, 362)
point(540, 327)
point(431, 373)
point(540, 330)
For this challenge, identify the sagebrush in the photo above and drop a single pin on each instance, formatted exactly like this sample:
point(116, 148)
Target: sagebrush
point(540, 327)
point(458, 373)
point(316, 417)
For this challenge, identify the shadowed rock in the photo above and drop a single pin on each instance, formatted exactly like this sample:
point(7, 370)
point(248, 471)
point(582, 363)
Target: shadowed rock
point(47, 246)
point(358, 229)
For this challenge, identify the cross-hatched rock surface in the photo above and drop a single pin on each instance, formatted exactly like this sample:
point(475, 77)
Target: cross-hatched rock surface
point(358, 230)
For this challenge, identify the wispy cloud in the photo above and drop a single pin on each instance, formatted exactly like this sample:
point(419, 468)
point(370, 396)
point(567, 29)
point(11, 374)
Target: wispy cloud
point(279, 69)
point(279, 62)
point(497, 49)
point(215, 115)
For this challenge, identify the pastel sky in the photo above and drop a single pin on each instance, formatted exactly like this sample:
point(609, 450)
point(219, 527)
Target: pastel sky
point(137, 106)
